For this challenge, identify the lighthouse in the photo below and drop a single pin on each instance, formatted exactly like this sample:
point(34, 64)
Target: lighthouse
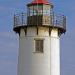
point(39, 39)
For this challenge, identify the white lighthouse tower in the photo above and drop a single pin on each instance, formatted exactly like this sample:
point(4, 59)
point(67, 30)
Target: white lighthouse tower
point(39, 39)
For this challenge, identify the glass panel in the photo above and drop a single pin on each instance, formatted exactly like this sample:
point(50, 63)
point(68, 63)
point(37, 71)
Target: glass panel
point(46, 10)
point(31, 10)
point(38, 9)
point(35, 10)
point(39, 45)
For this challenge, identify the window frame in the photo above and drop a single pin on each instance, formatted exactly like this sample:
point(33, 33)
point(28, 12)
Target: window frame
point(37, 46)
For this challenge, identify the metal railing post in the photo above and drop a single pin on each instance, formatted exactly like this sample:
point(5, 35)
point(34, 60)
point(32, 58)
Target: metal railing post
point(22, 18)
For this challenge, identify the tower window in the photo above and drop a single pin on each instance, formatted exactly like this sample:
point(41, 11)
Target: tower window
point(39, 46)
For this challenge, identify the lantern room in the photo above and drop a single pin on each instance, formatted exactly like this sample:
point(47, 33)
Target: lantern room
point(39, 7)
point(39, 13)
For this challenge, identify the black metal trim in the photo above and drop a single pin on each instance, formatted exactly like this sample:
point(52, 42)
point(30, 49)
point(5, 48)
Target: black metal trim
point(50, 31)
point(61, 30)
point(37, 30)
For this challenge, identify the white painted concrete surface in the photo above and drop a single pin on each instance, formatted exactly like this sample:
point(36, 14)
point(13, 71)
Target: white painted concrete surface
point(32, 63)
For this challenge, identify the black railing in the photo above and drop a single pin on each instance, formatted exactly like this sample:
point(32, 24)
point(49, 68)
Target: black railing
point(55, 20)
point(59, 21)
point(20, 19)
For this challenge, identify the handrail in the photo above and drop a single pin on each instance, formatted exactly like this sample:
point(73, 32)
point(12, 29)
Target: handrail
point(56, 20)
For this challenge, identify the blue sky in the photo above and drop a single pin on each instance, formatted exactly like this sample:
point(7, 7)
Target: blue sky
point(9, 40)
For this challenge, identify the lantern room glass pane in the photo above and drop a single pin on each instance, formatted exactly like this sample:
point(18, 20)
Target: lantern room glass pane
point(31, 10)
point(35, 10)
point(38, 9)
point(46, 10)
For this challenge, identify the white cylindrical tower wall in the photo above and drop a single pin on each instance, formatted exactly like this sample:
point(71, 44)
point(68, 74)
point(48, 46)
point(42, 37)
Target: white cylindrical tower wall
point(34, 63)
point(55, 53)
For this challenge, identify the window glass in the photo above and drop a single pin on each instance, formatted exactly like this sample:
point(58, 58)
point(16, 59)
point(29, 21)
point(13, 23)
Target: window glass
point(39, 46)
point(35, 10)
point(46, 10)
point(31, 10)
point(38, 9)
